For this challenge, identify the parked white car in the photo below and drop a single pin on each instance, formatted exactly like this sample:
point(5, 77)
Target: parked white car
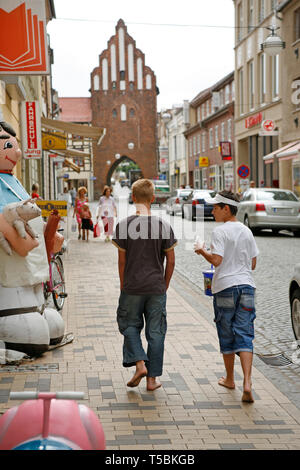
point(270, 208)
point(294, 296)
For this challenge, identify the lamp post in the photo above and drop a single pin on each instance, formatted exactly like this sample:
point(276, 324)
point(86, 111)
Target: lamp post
point(273, 44)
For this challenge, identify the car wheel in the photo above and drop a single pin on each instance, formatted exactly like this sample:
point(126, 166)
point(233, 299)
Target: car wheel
point(255, 231)
point(297, 233)
point(295, 313)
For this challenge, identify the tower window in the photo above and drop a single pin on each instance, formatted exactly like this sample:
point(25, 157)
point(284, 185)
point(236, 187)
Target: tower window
point(114, 113)
point(122, 75)
point(131, 113)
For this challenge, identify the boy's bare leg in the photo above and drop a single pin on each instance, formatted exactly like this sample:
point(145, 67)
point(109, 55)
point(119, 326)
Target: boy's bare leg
point(140, 372)
point(246, 363)
point(228, 381)
point(152, 384)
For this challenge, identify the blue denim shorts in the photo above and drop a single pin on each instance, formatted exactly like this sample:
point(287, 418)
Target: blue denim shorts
point(234, 316)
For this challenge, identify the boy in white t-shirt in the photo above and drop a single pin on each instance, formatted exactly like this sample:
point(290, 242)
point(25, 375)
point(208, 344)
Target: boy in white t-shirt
point(233, 253)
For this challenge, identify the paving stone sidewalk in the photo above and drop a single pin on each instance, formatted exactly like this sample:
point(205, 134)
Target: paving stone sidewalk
point(190, 410)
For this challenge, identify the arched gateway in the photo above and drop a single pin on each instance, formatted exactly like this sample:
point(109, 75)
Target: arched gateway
point(123, 101)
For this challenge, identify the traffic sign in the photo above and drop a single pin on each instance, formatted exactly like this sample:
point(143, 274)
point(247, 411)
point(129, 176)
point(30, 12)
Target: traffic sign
point(243, 171)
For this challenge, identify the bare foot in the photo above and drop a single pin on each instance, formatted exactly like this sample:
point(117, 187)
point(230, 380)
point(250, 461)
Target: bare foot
point(139, 374)
point(247, 394)
point(247, 397)
point(152, 384)
point(226, 383)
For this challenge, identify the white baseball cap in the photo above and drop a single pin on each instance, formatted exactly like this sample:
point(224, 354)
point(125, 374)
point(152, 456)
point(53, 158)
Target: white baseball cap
point(218, 199)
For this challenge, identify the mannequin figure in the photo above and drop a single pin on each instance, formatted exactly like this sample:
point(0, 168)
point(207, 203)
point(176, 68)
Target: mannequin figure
point(25, 324)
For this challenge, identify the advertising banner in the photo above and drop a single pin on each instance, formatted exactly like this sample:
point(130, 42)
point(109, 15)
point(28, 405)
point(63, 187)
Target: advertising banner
point(23, 38)
point(31, 130)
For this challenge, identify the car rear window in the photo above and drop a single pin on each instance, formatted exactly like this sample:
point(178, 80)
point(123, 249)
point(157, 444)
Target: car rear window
point(275, 196)
point(204, 195)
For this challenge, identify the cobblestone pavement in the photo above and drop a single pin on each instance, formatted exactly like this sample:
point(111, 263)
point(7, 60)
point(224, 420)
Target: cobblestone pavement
point(190, 411)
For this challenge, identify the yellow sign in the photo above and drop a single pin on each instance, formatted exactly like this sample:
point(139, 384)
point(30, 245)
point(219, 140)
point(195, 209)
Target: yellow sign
point(48, 206)
point(203, 161)
point(53, 141)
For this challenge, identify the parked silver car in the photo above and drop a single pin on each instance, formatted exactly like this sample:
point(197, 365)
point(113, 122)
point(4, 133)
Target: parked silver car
point(269, 208)
point(174, 202)
point(294, 296)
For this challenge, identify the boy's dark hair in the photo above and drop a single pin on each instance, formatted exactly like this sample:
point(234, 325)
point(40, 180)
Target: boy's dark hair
point(229, 195)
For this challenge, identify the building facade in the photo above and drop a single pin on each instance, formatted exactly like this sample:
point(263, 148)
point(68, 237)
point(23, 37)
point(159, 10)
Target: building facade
point(258, 92)
point(211, 157)
point(123, 100)
point(289, 160)
point(77, 110)
point(178, 165)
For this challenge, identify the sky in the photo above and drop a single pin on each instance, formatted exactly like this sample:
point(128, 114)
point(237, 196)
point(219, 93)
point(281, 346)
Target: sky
point(185, 59)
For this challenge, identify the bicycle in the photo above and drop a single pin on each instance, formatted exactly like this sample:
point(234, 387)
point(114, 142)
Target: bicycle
point(56, 284)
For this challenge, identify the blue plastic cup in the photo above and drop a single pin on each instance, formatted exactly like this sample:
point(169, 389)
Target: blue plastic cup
point(208, 276)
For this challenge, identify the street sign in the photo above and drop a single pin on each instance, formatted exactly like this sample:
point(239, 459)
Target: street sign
point(48, 206)
point(243, 171)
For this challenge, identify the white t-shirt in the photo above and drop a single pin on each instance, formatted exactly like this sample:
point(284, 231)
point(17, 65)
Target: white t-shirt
point(106, 206)
point(235, 243)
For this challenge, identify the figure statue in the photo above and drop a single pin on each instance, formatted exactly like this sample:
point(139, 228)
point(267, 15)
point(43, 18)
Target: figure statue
point(25, 324)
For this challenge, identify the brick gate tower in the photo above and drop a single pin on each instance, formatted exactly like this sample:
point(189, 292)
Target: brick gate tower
point(123, 101)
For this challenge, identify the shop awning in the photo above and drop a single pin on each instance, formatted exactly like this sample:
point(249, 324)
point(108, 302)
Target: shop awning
point(271, 156)
point(72, 165)
point(292, 152)
point(96, 133)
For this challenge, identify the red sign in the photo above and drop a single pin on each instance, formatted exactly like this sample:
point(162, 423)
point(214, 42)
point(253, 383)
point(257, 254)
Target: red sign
point(31, 130)
point(268, 125)
point(253, 120)
point(225, 150)
point(23, 38)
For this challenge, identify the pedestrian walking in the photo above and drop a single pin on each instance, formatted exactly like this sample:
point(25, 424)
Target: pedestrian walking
point(73, 196)
point(107, 210)
point(233, 253)
point(79, 201)
point(86, 221)
point(143, 242)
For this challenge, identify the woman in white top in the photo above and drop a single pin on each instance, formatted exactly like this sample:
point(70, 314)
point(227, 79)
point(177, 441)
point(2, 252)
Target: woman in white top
point(107, 210)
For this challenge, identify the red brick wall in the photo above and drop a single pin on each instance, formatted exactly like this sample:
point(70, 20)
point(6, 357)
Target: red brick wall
point(139, 129)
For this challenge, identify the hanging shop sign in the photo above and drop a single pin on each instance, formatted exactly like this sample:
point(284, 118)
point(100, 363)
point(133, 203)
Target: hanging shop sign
point(48, 206)
point(203, 162)
point(54, 141)
point(31, 130)
point(225, 150)
point(268, 128)
point(23, 38)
